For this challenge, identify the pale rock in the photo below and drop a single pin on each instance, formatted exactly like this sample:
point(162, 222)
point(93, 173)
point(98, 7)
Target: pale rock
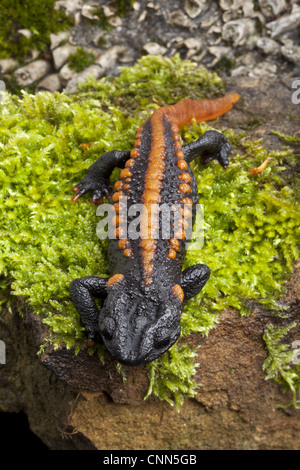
point(219, 52)
point(241, 71)
point(153, 5)
point(25, 32)
point(88, 12)
point(136, 6)
point(50, 83)
point(230, 4)
point(238, 31)
point(291, 53)
point(108, 59)
point(250, 12)
point(268, 46)
point(95, 70)
point(61, 55)
point(192, 43)
point(32, 55)
point(230, 15)
point(285, 23)
point(102, 64)
point(7, 65)
point(115, 21)
point(178, 18)
point(152, 48)
point(272, 7)
point(263, 69)
point(108, 11)
point(66, 74)
point(57, 39)
point(142, 16)
point(69, 6)
point(193, 8)
point(212, 19)
point(77, 18)
point(32, 72)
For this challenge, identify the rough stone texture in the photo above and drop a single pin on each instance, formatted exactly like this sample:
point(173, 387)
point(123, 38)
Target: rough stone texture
point(77, 403)
point(173, 27)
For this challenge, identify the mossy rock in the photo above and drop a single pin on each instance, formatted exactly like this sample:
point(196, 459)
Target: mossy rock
point(39, 18)
point(251, 223)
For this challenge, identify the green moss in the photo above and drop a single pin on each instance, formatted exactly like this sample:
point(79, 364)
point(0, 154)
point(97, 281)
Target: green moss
point(288, 138)
point(224, 65)
point(40, 18)
point(81, 59)
point(280, 364)
point(251, 224)
point(123, 6)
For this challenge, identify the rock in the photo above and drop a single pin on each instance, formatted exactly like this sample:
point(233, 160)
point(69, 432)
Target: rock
point(51, 83)
point(32, 55)
point(241, 71)
point(95, 70)
point(292, 53)
point(108, 11)
point(142, 16)
point(238, 31)
point(219, 52)
point(69, 6)
point(115, 21)
point(152, 48)
point(8, 65)
point(88, 12)
point(66, 74)
point(61, 55)
point(108, 59)
point(57, 39)
point(231, 4)
point(268, 46)
point(272, 7)
point(191, 43)
point(178, 18)
point(285, 23)
point(25, 32)
point(251, 12)
point(32, 72)
point(193, 7)
point(263, 69)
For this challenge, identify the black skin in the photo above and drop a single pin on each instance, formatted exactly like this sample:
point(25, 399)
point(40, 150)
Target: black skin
point(138, 323)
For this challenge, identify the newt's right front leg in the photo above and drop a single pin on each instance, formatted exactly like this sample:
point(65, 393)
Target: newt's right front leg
point(97, 177)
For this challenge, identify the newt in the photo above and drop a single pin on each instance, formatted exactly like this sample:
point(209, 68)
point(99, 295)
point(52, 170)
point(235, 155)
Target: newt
point(144, 296)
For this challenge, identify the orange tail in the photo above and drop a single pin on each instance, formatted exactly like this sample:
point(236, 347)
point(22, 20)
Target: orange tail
point(185, 111)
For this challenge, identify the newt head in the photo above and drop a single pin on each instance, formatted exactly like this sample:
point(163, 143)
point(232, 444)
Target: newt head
point(137, 329)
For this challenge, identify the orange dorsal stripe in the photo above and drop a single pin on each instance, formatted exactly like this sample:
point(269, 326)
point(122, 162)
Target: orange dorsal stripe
point(185, 111)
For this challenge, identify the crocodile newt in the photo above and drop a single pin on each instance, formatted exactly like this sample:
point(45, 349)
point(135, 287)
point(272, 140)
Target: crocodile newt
point(144, 296)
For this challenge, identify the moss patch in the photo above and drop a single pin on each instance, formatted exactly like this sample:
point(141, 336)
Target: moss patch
point(81, 59)
point(251, 224)
point(282, 363)
point(40, 18)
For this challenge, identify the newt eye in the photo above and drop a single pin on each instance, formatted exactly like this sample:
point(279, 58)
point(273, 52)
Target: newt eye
point(162, 343)
point(106, 334)
point(107, 328)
